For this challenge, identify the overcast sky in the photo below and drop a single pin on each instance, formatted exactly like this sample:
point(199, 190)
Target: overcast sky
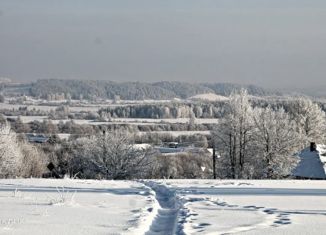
point(272, 43)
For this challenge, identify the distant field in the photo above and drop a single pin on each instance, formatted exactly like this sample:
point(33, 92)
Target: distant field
point(82, 107)
point(176, 133)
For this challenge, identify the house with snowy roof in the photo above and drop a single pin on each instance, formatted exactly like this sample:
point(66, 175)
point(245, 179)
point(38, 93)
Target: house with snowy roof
point(312, 164)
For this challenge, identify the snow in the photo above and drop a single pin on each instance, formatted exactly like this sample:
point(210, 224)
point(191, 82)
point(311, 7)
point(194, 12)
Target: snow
point(176, 133)
point(151, 207)
point(44, 206)
point(310, 165)
point(209, 97)
point(64, 136)
point(142, 146)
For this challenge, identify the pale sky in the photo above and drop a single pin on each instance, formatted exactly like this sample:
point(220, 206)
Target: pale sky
point(272, 43)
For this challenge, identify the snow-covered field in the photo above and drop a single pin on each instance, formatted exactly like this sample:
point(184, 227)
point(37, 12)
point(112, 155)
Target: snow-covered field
point(167, 120)
point(39, 206)
point(208, 97)
point(176, 133)
point(252, 207)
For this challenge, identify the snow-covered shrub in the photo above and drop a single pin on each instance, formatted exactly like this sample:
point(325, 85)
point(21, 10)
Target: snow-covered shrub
point(112, 155)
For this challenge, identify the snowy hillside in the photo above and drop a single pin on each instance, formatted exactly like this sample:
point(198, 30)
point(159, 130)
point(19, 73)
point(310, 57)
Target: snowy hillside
point(209, 97)
point(39, 206)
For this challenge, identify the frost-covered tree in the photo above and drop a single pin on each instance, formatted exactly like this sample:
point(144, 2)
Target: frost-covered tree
point(233, 133)
point(310, 120)
point(11, 156)
point(18, 158)
point(275, 141)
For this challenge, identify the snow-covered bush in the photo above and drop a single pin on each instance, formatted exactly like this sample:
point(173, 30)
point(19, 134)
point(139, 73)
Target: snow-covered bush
point(112, 155)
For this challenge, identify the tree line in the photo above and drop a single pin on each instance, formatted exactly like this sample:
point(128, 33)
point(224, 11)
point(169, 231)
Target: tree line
point(92, 89)
point(167, 110)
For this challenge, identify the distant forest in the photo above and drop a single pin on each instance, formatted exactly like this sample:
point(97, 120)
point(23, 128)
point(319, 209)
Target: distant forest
point(131, 90)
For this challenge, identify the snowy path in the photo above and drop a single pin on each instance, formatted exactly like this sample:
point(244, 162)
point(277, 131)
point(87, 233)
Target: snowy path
point(166, 220)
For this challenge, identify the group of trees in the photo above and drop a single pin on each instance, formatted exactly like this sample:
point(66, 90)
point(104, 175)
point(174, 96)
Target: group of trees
point(107, 155)
point(71, 127)
point(165, 110)
point(115, 155)
point(23, 111)
point(260, 142)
